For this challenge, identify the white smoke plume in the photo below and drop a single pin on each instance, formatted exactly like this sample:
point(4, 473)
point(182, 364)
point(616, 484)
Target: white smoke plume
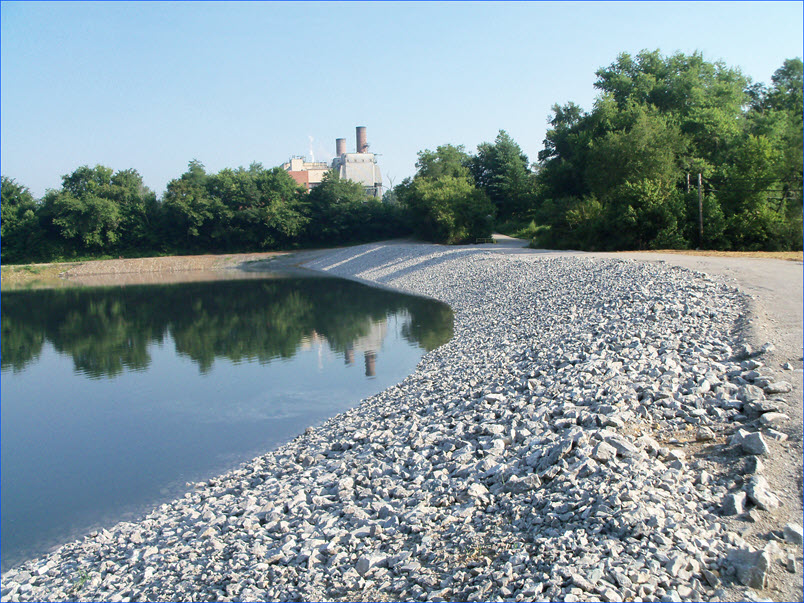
point(312, 155)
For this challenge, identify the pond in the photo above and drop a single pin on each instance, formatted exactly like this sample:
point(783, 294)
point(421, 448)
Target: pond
point(114, 397)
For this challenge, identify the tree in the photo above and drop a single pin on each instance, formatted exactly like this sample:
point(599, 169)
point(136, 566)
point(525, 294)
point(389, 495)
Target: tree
point(188, 210)
point(447, 209)
point(649, 147)
point(84, 214)
point(20, 234)
point(138, 209)
point(335, 208)
point(446, 160)
point(501, 171)
point(100, 210)
point(615, 177)
point(234, 210)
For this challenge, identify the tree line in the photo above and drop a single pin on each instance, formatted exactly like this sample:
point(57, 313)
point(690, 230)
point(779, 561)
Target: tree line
point(99, 212)
point(626, 174)
point(623, 175)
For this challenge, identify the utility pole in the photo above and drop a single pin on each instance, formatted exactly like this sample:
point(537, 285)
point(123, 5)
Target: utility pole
point(700, 213)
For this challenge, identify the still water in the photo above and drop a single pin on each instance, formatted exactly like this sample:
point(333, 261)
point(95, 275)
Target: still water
point(114, 397)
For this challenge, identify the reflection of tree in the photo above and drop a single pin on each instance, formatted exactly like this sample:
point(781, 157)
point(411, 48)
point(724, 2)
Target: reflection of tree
point(20, 343)
point(240, 323)
point(430, 324)
point(108, 330)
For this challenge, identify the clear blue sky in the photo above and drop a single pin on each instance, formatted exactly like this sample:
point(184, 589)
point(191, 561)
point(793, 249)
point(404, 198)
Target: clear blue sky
point(152, 85)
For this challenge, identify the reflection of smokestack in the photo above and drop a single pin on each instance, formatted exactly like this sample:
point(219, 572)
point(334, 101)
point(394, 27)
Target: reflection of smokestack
point(371, 363)
point(349, 356)
point(340, 147)
point(362, 141)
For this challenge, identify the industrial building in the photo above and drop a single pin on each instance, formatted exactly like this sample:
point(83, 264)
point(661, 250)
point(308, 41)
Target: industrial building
point(360, 166)
point(307, 173)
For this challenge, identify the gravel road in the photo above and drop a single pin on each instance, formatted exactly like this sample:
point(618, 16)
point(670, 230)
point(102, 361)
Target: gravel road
point(598, 429)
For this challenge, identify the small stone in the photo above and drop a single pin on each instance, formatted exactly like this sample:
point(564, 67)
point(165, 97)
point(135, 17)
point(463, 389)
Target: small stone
point(478, 491)
point(711, 578)
point(753, 465)
point(793, 533)
point(791, 563)
point(150, 551)
point(775, 435)
point(704, 434)
point(624, 448)
point(733, 504)
point(751, 393)
point(366, 562)
point(604, 452)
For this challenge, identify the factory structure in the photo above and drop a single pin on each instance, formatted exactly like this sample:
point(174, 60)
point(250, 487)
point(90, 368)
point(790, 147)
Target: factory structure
point(360, 166)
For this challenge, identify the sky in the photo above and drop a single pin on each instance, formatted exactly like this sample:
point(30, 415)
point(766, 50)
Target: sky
point(154, 85)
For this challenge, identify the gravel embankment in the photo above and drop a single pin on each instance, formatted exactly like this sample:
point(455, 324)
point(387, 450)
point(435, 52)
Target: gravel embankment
point(584, 436)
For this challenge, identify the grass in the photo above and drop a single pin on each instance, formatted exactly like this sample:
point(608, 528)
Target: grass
point(520, 229)
point(792, 256)
point(530, 231)
point(33, 276)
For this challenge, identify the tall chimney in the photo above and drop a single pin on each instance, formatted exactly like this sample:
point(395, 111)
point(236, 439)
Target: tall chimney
point(362, 143)
point(340, 147)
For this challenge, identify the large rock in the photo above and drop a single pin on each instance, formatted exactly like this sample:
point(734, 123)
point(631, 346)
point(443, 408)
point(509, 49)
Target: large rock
point(754, 443)
point(760, 494)
point(778, 387)
point(793, 533)
point(773, 419)
point(751, 566)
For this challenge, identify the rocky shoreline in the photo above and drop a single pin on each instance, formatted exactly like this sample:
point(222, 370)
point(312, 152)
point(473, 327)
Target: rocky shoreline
point(589, 434)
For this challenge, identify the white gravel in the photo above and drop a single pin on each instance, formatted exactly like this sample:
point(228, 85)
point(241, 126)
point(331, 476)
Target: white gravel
point(577, 440)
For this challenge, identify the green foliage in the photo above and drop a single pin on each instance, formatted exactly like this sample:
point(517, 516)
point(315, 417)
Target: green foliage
point(19, 226)
point(337, 206)
point(648, 147)
point(99, 211)
point(519, 229)
point(447, 209)
point(446, 160)
point(616, 178)
point(501, 171)
point(234, 210)
point(442, 202)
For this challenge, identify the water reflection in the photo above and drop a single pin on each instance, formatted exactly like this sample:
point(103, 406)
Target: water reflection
point(114, 397)
point(107, 331)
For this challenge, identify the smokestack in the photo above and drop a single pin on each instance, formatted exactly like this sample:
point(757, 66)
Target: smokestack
point(362, 142)
point(340, 147)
